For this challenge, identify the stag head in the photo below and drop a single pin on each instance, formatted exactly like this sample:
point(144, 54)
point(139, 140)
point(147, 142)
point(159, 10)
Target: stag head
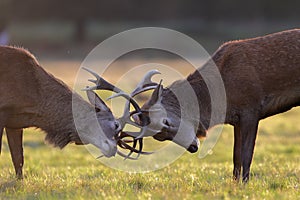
point(160, 117)
point(95, 124)
point(137, 137)
point(169, 119)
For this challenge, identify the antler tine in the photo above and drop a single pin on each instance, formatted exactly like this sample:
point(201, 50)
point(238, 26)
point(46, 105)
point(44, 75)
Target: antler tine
point(125, 156)
point(101, 83)
point(124, 145)
point(146, 83)
point(141, 147)
point(130, 153)
point(130, 100)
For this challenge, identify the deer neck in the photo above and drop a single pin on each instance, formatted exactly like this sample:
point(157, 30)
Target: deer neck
point(206, 95)
point(203, 99)
point(55, 111)
point(184, 99)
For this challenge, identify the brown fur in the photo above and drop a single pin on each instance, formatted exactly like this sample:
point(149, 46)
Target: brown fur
point(31, 97)
point(261, 78)
point(32, 100)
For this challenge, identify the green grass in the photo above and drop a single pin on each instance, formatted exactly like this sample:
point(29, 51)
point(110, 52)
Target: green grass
point(72, 173)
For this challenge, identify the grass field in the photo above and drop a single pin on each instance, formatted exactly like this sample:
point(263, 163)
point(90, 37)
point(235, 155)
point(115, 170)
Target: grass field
point(73, 173)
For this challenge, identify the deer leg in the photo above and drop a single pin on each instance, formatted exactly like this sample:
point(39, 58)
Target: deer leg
point(15, 139)
point(1, 129)
point(248, 129)
point(1, 134)
point(237, 153)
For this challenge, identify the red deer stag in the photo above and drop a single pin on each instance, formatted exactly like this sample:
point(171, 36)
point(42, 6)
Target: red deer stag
point(261, 77)
point(31, 97)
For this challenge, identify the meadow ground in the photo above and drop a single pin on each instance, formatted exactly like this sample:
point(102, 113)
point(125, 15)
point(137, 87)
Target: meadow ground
point(73, 173)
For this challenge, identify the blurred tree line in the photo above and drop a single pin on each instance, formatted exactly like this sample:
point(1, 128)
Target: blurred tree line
point(79, 12)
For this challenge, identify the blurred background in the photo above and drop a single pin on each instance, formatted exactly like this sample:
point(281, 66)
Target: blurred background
point(69, 29)
point(60, 33)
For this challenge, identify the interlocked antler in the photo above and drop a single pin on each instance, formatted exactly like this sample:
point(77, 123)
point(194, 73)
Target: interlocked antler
point(102, 84)
point(145, 85)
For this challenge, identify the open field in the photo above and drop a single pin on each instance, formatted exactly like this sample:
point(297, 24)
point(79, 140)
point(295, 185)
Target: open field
point(73, 173)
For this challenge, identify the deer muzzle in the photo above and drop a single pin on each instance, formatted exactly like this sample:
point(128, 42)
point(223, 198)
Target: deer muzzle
point(109, 148)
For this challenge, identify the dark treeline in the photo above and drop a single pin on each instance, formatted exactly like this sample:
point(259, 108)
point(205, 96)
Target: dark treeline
point(152, 11)
point(155, 9)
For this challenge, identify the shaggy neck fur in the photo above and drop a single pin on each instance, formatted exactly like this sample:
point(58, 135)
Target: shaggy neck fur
point(196, 81)
point(56, 117)
point(171, 102)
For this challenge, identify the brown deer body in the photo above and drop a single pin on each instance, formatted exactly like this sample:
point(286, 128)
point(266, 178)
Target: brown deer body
point(30, 97)
point(261, 78)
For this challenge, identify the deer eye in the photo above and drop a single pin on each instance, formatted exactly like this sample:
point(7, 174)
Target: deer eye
point(117, 125)
point(166, 122)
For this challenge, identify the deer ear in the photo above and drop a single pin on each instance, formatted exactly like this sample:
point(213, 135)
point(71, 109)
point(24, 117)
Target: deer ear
point(96, 101)
point(156, 95)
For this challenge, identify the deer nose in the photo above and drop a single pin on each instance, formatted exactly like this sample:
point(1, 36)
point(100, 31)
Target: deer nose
point(109, 148)
point(193, 148)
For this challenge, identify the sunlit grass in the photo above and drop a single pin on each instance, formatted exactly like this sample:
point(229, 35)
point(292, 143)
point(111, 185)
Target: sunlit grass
point(71, 173)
